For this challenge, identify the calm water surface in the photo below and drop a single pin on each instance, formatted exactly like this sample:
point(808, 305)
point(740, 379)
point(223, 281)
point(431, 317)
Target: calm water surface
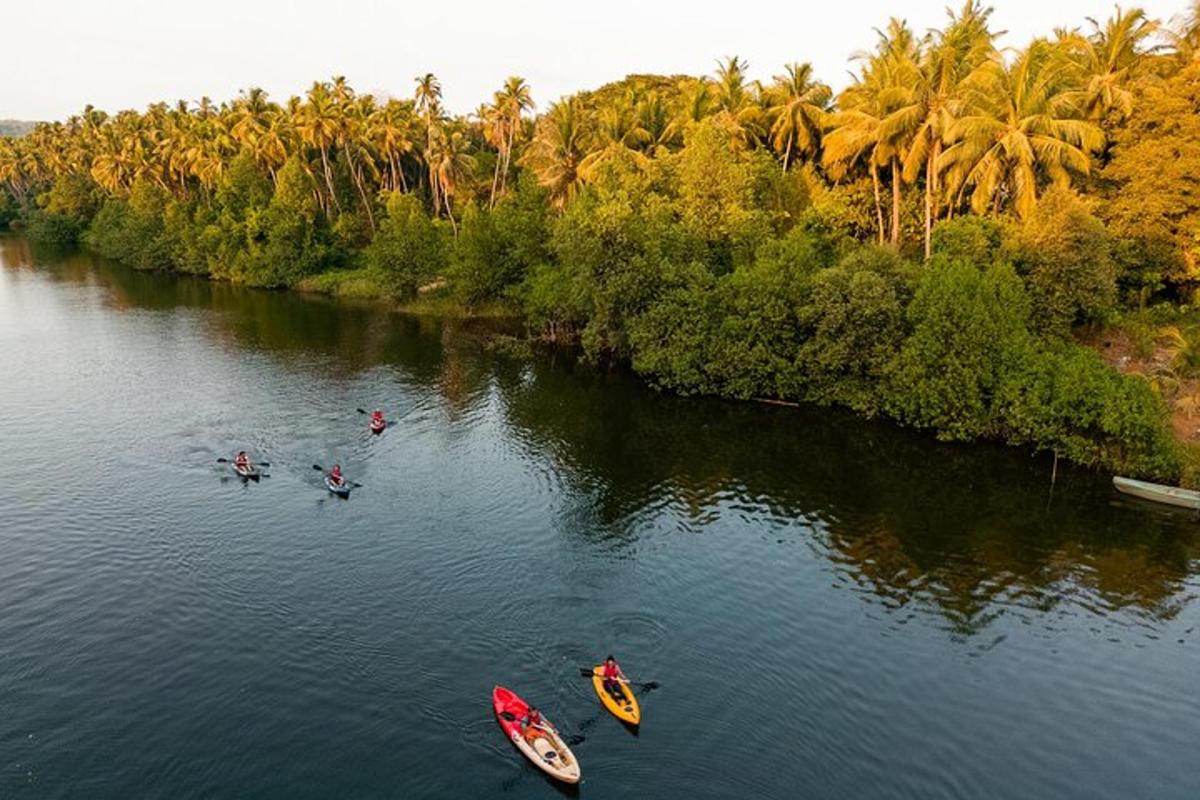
point(833, 608)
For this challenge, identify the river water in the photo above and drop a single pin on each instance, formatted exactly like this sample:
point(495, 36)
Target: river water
point(831, 607)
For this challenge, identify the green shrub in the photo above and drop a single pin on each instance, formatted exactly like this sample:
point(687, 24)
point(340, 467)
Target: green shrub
point(970, 332)
point(856, 315)
point(497, 248)
point(132, 230)
point(43, 226)
point(1068, 400)
point(1066, 256)
point(554, 301)
point(408, 249)
point(976, 240)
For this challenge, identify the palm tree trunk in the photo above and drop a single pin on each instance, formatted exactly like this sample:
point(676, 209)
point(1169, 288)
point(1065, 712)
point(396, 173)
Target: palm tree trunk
point(874, 186)
point(362, 192)
point(450, 214)
point(930, 192)
point(329, 179)
point(356, 174)
point(787, 153)
point(508, 148)
point(895, 200)
point(433, 190)
point(495, 178)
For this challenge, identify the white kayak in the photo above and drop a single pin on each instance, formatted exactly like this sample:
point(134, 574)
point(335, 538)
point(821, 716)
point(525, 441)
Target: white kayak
point(248, 471)
point(544, 746)
point(1159, 493)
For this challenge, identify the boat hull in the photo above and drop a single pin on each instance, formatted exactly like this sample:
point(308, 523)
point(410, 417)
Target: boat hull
point(1158, 493)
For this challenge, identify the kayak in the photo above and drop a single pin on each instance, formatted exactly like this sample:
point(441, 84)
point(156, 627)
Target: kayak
point(545, 748)
point(249, 472)
point(1171, 495)
point(341, 490)
point(378, 427)
point(625, 708)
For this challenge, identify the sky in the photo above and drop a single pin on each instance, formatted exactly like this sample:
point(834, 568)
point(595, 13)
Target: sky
point(58, 55)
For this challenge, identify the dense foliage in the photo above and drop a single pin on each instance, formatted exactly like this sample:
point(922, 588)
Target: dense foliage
point(922, 246)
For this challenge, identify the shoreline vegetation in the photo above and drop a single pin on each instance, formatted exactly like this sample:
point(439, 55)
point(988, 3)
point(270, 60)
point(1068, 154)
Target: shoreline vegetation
point(971, 239)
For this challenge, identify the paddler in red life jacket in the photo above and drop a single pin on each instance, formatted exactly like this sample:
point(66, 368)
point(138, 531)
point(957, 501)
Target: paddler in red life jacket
point(377, 419)
point(533, 724)
point(611, 673)
point(335, 475)
point(241, 460)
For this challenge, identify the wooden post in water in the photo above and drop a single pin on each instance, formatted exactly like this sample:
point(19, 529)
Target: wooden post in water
point(1053, 478)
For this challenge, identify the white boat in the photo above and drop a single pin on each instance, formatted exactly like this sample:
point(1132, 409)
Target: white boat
point(1171, 495)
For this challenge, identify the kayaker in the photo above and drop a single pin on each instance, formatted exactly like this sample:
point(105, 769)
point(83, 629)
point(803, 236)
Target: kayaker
point(335, 475)
point(241, 460)
point(613, 677)
point(377, 418)
point(533, 725)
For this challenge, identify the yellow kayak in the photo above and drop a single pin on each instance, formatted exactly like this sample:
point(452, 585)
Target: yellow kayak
point(626, 709)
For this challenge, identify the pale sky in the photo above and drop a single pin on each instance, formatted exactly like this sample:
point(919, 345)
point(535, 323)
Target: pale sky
point(58, 55)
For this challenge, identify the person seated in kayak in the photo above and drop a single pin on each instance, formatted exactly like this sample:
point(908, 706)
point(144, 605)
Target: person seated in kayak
point(613, 677)
point(532, 725)
point(241, 460)
point(377, 418)
point(335, 475)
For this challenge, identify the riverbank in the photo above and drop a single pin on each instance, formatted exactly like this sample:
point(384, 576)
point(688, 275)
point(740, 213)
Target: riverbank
point(435, 299)
point(946, 347)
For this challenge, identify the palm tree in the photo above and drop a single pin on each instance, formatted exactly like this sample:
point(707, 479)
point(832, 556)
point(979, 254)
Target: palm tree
point(353, 112)
point(11, 171)
point(428, 97)
point(797, 106)
point(618, 135)
point(1184, 34)
point(948, 61)
point(660, 131)
point(512, 101)
point(737, 101)
point(558, 148)
point(698, 99)
point(856, 136)
point(491, 126)
point(1020, 123)
point(449, 166)
point(391, 129)
point(857, 130)
point(732, 87)
point(1110, 59)
point(318, 122)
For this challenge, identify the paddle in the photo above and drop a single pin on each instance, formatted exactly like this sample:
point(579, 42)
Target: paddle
point(571, 741)
point(648, 685)
point(230, 461)
point(351, 484)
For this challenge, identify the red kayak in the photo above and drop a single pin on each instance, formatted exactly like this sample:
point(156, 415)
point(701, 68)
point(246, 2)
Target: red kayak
point(378, 425)
point(543, 746)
